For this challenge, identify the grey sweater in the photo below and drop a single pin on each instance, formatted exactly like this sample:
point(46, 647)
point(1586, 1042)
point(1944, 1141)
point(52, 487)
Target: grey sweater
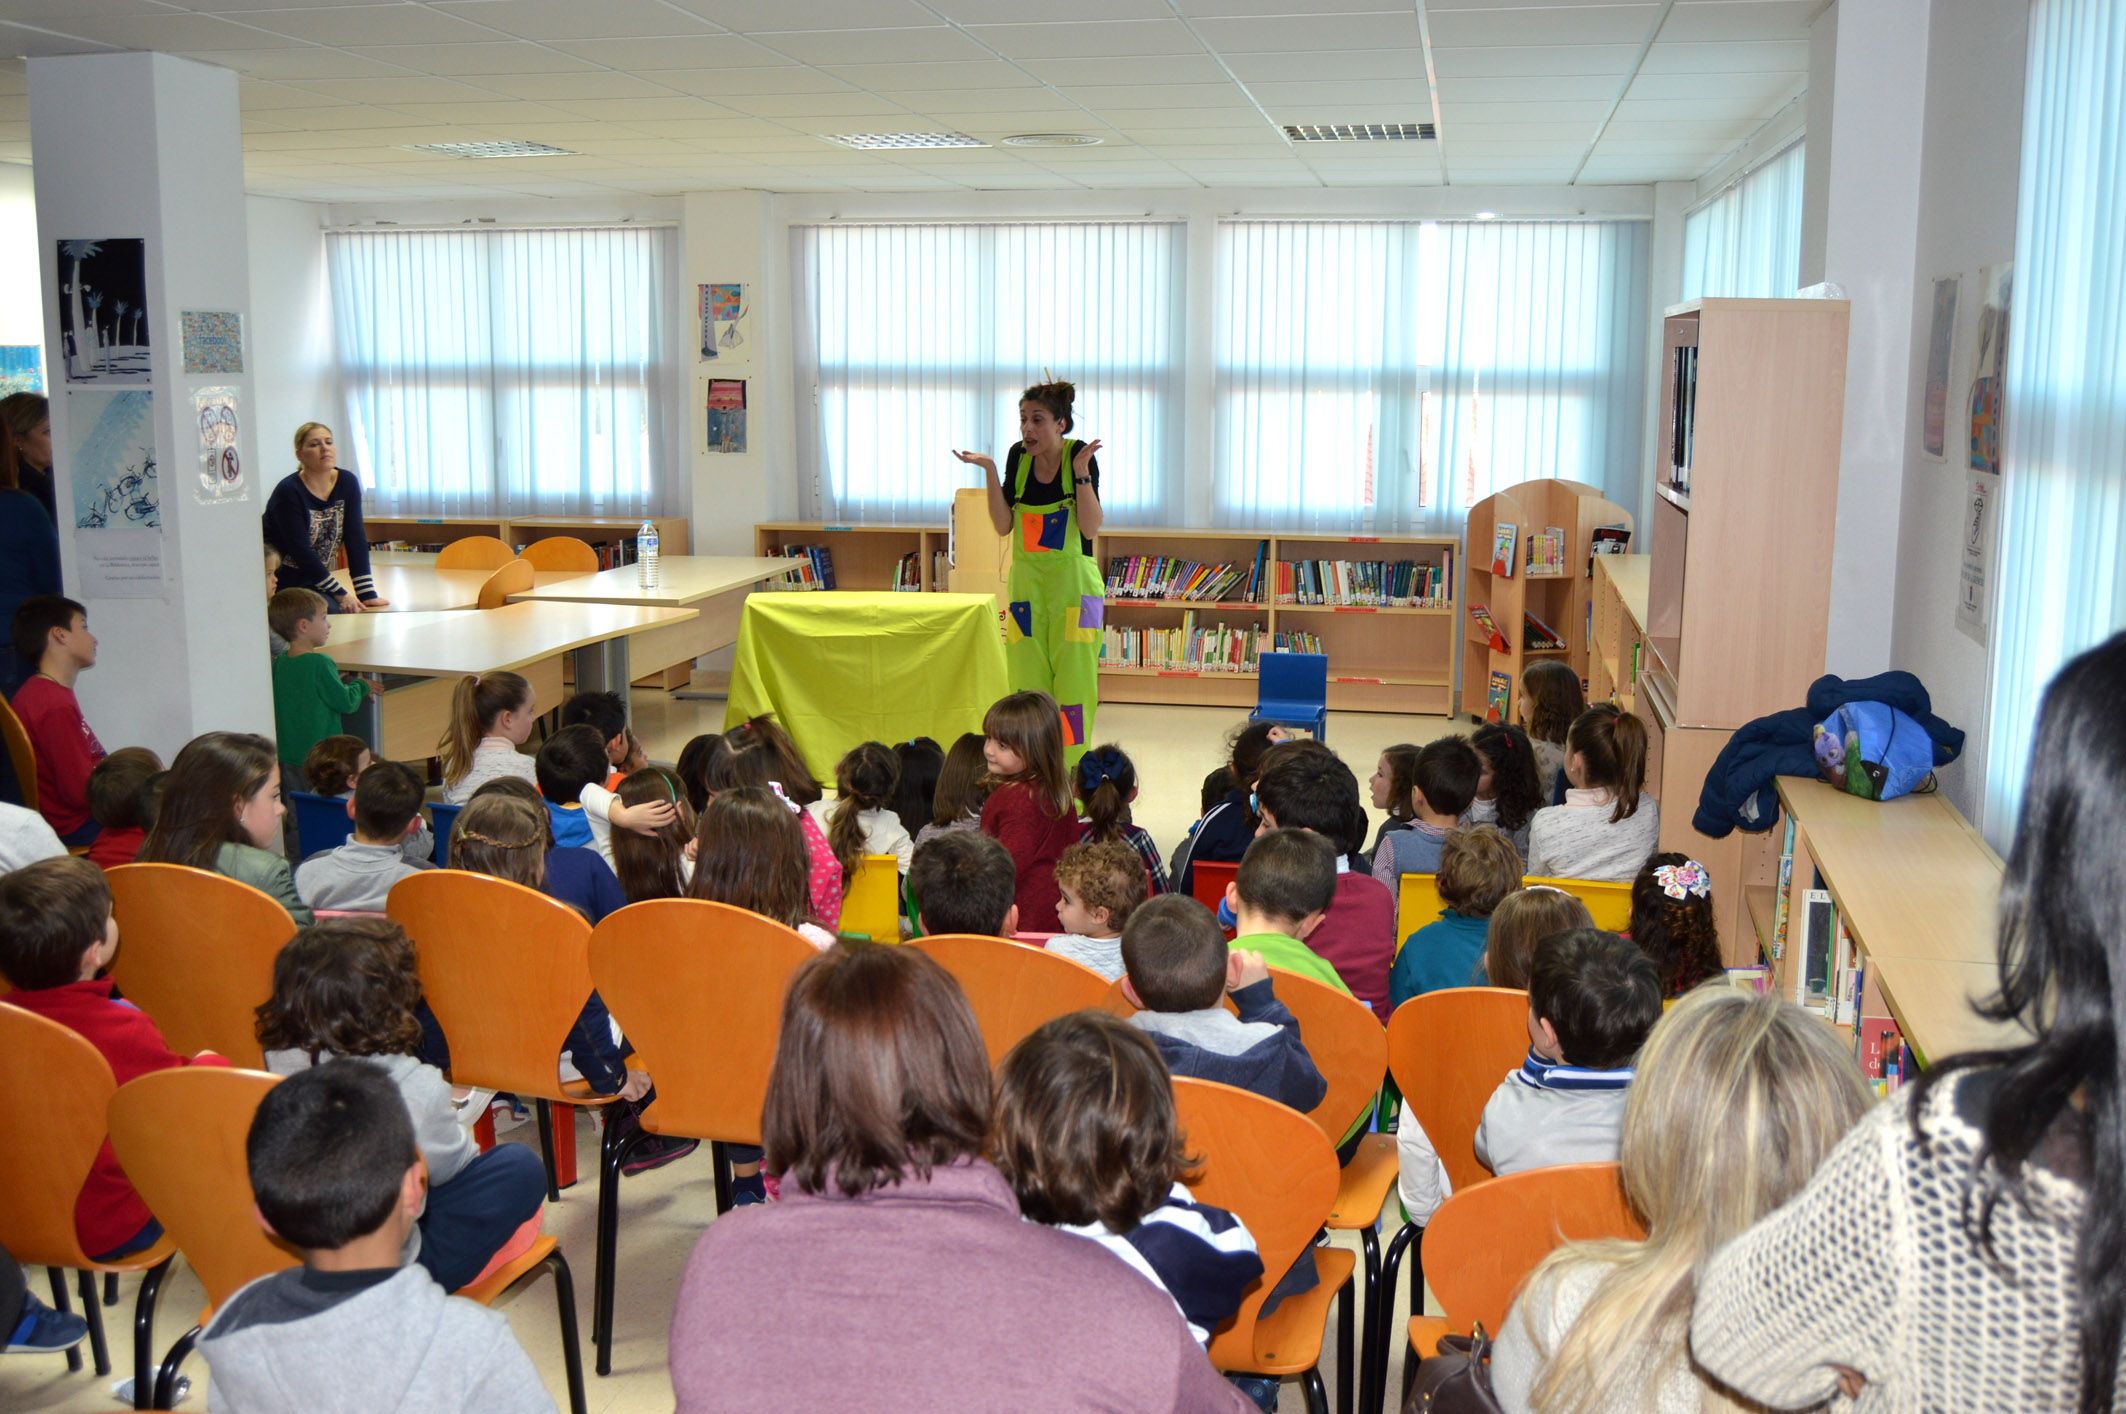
point(1578, 840)
point(355, 876)
point(1529, 1127)
point(359, 1341)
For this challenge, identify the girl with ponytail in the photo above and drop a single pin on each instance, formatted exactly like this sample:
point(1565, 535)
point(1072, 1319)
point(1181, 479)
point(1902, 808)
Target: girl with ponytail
point(491, 715)
point(1107, 783)
point(1606, 828)
point(861, 818)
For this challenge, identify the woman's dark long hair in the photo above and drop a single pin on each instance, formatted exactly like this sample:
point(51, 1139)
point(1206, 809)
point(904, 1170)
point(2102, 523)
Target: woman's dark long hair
point(207, 784)
point(2063, 976)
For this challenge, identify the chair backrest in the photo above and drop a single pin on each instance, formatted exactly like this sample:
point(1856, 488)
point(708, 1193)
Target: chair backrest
point(1448, 1051)
point(1208, 878)
point(506, 971)
point(54, 1088)
point(871, 901)
point(444, 819)
point(512, 578)
point(561, 554)
point(321, 821)
point(1294, 677)
point(1418, 902)
point(180, 1135)
point(1346, 1041)
point(21, 753)
point(1484, 1241)
point(1271, 1167)
point(195, 952)
point(698, 988)
point(475, 552)
point(1014, 989)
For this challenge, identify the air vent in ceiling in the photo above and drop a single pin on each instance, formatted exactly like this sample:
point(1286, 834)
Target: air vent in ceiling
point(1359, 132)
point(875, 141)
point(1053, 140)
point(491, 149)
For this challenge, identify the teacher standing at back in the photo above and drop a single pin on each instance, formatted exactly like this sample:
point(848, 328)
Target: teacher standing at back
point(313, 514)
point(1047, 501)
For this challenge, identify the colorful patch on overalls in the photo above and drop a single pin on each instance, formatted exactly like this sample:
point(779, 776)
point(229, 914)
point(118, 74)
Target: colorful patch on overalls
point(1085, 628)
point(1018, 623)
point(1073, 724)
point(1038, 532)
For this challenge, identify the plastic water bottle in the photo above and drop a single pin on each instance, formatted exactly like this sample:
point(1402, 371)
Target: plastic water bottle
point(646, 554)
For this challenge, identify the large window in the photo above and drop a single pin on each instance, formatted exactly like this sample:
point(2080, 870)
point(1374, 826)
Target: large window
point(509, 372)
point(1745, 243)
point(914, 341)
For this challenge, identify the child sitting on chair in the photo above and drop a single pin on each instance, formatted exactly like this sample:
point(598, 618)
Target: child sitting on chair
point(335, 766)
point(1279, 896)
point(1478, 868)
point(962, 881)
point(358, 875)
point(1101, 885)
point(124, 789)
point(54, 647)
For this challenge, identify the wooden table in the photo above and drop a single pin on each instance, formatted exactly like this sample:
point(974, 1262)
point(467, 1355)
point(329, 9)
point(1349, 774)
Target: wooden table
point(441, 646)
point(412, 583)
point(714, 586)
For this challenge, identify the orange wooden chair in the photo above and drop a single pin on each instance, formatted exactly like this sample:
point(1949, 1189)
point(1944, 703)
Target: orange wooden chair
point(1274, 1169)
point(561, 554)
point(512, 578)
point(54, 1090)
point(699, 987)
point(20, 752)
point(475, 552)
point(506, 971)
point(195, 951)
point(1014, 989)
point(1448, 1050)
point(1486, 1239)
point(181, 1136)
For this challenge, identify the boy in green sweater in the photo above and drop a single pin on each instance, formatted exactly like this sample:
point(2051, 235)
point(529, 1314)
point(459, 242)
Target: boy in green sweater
point(309, 696)
point(1282, 891)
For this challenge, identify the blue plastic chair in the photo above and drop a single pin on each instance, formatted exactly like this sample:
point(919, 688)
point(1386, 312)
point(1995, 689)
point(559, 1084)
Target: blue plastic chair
point(442, 818)
point(1293, 691)
point(321, 821)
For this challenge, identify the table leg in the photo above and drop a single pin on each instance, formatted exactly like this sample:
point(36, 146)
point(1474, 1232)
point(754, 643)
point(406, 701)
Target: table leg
point(602, 667)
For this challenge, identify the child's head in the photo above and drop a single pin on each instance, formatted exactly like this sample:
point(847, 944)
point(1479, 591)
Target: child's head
point(605, 711)
point(693, 769)
point(864, 779)
point(300, 616)
point(335, 764)
point(487, 704)
point(1551, 697)
point(1085, 1126)
point(1606, 750)
point(652, 865)
point(571, 759)
point(1445, 778)
point(1672, 921)
point(963, 881)
point(1592, 997)
point(53, 624)
point(387, 800)
point(501, 834)
point(344, 987)
point(1174, 954)
point(1305, 786)
point(758, 752)
point(963, 782)
point(1023, 741)
point(1509, 777)
point(332, 1158)
point(750, 853)
point(118, 788)
point(1247, 745)
point(1286, 882)
point(1524, 918)
point(1394, 781)
point(1102, 884)
point(1107, 783)
point(224, 788)
point(56, 924)
point(920, 761)
point(1478, 867)
point(273, 570)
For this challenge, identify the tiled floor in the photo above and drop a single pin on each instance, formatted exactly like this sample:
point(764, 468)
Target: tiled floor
point(663, 1212)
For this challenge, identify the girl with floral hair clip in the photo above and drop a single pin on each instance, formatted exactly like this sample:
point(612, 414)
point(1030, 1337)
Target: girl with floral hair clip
point(1672, 921)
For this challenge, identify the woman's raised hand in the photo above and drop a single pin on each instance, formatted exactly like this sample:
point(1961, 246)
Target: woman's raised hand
point(977, 459)
point(1082, 462)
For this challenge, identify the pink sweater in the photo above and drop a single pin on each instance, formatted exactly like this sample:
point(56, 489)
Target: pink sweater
point(926, 1295)
point(824, 889)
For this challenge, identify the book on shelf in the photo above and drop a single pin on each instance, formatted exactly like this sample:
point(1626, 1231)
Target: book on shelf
point(1481, 617)
point(1164, 577)
point(1546, 551)
point(1606, 540)
point(1372, 584)
point(1498, 695)
point(1535, 634)
point(1879, 1047)
point(1755, 980)
point(1503, 538)
point(1812, 971)
point(1291, 640)
point(908, 572)
point(1216, 648)
point(817, 571)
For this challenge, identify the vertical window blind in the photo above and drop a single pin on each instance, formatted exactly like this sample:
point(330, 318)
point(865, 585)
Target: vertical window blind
point(1746, 242)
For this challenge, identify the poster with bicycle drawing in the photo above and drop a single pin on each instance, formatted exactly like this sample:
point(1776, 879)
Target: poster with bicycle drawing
point(103, 313)
point(110, 464)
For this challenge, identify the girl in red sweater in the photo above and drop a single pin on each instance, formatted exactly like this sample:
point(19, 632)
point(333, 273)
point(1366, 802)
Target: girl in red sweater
point(1032, 812)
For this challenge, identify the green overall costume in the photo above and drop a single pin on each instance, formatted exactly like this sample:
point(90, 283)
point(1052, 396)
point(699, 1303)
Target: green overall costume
point(1056, 601)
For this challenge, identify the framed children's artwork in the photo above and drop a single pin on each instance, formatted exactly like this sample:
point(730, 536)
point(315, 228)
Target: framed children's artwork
point(723, 310)
point(213, 340)
point(21, 369)
point(726, 415)
point(221, 466)
point(103, 314)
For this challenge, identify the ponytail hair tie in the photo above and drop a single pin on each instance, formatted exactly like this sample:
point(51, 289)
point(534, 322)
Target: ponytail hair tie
point(1685, 880)
point(795, 808)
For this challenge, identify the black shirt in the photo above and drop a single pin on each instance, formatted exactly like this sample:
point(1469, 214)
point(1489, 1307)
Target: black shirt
point(1042, 496)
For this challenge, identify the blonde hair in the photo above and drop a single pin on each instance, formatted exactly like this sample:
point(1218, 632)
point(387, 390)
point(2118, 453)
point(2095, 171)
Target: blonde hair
point(475, 703)
point(302, 433)
point(1738, 1100)
point(1524, 918)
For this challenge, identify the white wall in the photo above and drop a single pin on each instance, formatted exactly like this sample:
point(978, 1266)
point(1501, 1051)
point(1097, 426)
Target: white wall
point(21, 301)
point(294, 376)
point(1967, 197)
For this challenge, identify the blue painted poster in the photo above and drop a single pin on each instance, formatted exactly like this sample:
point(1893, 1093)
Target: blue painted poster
point(110, 468)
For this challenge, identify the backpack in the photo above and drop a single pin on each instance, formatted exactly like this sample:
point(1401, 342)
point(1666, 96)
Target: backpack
point(1874, 751)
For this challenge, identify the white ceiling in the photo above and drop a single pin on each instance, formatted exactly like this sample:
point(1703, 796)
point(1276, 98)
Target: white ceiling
point(665, 96)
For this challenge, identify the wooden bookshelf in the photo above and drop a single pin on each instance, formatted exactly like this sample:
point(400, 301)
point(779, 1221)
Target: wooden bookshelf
point(1559, 597)
point(673, 532)
point(865, 556)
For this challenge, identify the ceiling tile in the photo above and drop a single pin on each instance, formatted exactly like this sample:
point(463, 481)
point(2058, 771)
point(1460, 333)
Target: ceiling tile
point(503, 112)
point(1103, 40)
point(1536, 60)
point(1298, 34)
point(348, 117)
point(254, 96)
point(717, 83)
point(1563, 24)
point(1766, 86)
point(1330, 65)
point(1552, 88)
point(1164, 118)
point(874, 46)
point(1197, 9)
point(242, 7)
point(620, 110)
point(713, 51)
point(1782, 56)
point(571, 19)
point(1611, 170)
point(799, 107)
point(310, 61)
point(749, 16)
point(1673, 146)
point(1193, 95)
point(371, 24)
point(991, 12)
point(970, 74)
point(597, 84)
point(1741, 19)
point(468, 60)
point(1711, 130)
point(1585, 111)
point(1360, 93)
point(1654, 110)
point(167, 32)
point(1499, 176)
point(988, 100)
point(1143, 69)
point(400, 89)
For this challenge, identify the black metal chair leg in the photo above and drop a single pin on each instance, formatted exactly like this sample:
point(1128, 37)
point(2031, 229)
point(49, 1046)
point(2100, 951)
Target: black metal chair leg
point(1372, 1317)
point(110, 1288)
point(720, 1167)
point(571, 1347)
point(605, 1275)
point(1317, 1393)
point(61, 1303)
point(1345, 1354)
point(93, 1310)
point(546, 1149)
point(1380, 1334)
point(166, 1377)
point(144, 1331)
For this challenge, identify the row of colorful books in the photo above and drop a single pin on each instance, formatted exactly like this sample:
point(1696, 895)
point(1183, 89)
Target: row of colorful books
point(1379, 584)
point(1175, 577)
point(817, 572)
point(1218, 648)
point(1536, 636)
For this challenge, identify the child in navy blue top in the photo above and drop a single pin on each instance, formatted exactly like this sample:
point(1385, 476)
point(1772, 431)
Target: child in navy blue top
point(1478, 867)
point(1444, 782)
point(1228, 827)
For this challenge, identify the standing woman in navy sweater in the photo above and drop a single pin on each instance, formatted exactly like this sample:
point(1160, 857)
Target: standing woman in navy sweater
point(311, 515)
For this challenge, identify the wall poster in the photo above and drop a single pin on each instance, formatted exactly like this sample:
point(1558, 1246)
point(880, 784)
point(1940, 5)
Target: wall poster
point(103, 315)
